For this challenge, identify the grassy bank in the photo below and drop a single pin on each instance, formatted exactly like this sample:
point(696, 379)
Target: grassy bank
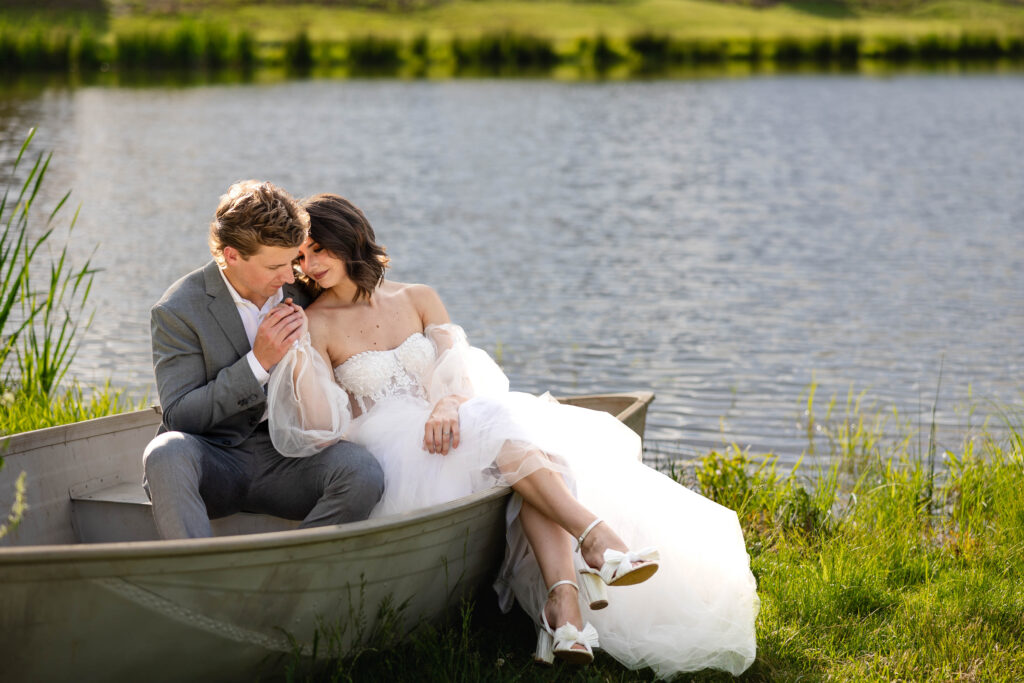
point(43, 310)
point(506, 37)
point(891, 566)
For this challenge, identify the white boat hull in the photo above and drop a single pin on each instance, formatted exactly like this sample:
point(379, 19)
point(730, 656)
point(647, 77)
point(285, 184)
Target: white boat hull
point(225, 604)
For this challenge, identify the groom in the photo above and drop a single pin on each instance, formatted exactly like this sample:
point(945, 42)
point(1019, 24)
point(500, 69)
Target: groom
point(217, 333)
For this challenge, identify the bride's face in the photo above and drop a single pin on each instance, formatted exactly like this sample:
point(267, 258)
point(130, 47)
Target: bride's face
point(326, 269)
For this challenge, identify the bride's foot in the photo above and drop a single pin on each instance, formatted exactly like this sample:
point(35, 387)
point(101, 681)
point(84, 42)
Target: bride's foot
point(611, 563)
point(570, 640)
point(595, 540)
point(563, 605)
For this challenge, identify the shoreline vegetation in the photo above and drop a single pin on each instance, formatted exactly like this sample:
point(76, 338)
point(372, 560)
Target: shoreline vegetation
point(495, 37)
point(43, 307)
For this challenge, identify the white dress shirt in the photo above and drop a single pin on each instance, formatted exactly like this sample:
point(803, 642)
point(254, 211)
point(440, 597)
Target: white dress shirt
point(251, 319)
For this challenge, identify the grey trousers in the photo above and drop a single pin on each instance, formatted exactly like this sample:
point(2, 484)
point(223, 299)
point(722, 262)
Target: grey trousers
point(191, 481)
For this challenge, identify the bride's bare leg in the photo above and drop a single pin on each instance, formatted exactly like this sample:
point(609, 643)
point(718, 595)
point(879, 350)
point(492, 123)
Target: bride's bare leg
point(546, 492)
point(552, 546)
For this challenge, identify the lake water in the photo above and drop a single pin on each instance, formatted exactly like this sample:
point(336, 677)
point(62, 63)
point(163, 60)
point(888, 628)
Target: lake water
point(721, 242)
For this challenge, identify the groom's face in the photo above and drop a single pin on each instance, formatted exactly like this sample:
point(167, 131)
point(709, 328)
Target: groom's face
point(258, 277)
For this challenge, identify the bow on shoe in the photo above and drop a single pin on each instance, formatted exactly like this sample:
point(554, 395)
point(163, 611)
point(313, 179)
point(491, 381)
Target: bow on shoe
point(567, 635)
point(617, 563)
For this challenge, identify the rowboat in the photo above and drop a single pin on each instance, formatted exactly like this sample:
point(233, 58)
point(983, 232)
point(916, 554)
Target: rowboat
point(88, 593)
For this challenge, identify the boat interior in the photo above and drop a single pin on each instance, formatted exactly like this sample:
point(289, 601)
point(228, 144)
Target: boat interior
point(84, 482)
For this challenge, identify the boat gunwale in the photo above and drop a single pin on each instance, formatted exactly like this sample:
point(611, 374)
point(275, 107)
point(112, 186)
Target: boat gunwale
point(75, 431)
point(268, 540)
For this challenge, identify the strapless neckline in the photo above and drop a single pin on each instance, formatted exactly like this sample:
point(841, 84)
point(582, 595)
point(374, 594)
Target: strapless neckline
point(372, 351)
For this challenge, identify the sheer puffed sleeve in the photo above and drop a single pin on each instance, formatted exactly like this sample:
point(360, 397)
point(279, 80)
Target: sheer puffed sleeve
point(308, 411)
point(460, 368)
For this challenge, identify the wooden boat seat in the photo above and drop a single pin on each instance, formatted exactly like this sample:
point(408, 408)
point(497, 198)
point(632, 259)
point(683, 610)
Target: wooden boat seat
point(105, 511)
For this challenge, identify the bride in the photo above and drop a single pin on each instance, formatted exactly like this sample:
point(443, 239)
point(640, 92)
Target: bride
point(438, 415)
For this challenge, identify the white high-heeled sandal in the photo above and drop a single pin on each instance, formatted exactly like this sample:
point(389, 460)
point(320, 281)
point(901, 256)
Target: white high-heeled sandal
point(619, 569)
point(562, 642)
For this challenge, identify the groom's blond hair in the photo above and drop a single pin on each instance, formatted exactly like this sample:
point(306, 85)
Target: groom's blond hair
point(253, 214)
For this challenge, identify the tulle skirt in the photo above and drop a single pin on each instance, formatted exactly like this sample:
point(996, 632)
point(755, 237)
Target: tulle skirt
point(696, 612)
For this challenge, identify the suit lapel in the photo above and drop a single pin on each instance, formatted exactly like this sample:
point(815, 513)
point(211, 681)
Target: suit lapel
point(223, 309)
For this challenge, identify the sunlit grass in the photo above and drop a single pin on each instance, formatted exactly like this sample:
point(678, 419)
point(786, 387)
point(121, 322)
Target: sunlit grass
point(569, 20)
point(22, 410)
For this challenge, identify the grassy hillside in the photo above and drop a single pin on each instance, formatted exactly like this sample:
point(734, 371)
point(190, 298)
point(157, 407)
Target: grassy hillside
point(404, 18)
point(562, 20)
point(504, 35)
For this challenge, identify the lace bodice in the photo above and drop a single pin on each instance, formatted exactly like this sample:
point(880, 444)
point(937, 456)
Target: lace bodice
point(371, 376)
point(311, 406)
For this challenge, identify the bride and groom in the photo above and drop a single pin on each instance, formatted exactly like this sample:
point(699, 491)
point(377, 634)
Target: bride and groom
point(381, 406)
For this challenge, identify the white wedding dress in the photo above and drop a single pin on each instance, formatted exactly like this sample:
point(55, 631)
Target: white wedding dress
point(696, 612)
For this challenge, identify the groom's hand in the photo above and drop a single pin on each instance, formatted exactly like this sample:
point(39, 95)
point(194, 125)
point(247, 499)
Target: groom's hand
point(285, 324)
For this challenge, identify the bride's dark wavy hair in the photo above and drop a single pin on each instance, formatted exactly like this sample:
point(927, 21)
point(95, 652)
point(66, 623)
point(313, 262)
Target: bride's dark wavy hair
point(338, 226)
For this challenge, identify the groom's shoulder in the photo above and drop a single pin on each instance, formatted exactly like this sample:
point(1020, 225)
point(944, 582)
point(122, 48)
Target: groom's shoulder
point(185, 290)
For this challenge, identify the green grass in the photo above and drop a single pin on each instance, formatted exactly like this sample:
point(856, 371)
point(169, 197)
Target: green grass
point(22, 410)
point(876, 567)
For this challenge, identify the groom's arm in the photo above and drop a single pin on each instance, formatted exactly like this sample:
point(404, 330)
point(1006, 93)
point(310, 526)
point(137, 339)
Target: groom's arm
point(190, 403)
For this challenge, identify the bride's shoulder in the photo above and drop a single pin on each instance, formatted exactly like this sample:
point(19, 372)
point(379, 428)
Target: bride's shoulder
point(417, 293)
point(422, 299)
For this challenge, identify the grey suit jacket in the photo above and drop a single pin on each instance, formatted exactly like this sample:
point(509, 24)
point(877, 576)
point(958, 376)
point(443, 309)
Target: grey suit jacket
point(205, 383)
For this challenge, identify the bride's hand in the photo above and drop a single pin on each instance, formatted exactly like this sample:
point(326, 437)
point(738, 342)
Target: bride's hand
point(441, 432)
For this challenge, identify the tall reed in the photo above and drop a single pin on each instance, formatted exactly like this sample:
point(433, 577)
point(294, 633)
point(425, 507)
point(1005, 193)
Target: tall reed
point(298, 52)
point(46, 347)
point(600, 52)
point(419, 49)
point(17, 250)
point(372, 53)
point(504, 51)
point(43, 298)
point(49, 318)
point(189, 45)
point(18, 505)
point(37, 49)
point(651, 48)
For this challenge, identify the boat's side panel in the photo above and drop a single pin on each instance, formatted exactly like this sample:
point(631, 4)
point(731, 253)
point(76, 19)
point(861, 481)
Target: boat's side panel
point(225, 611)
point(97, 452)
